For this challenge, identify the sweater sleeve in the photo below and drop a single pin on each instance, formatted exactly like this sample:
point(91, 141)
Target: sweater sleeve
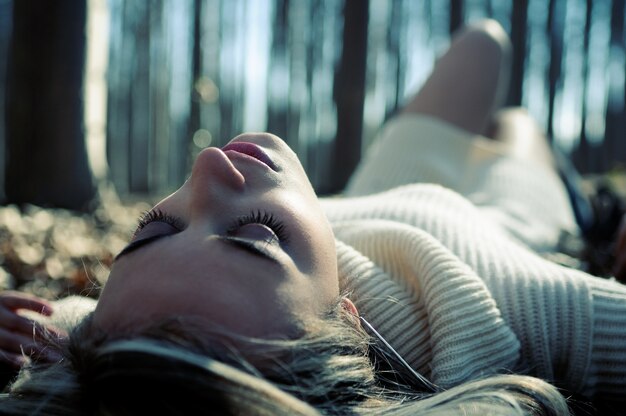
point(572, 325)
point(606, 374)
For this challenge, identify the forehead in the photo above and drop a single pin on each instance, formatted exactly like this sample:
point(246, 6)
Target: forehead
point(211, 280)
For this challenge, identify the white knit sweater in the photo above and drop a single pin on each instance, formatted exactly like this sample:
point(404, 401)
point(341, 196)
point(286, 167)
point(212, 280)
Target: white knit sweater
point(456, 286)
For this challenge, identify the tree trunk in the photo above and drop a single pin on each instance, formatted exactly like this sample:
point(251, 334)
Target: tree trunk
point(518, 38)
point(277, 93)
point(456, 15)
point(45, 148)
point(5, 35)
point(581, 155)
point(555, 32)
point(613, 145)
point(350, 92)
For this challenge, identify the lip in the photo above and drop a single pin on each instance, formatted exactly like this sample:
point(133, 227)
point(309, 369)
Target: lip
point(252, 150)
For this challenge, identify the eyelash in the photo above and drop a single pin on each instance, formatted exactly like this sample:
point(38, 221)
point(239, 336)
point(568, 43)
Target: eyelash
point(265, 218)
point(158, 215)
point(255, 217)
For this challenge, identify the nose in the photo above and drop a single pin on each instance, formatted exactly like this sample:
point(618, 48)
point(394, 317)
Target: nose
point(214, 177)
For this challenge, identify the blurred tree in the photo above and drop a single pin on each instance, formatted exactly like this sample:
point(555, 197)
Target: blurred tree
point(45, 148)
point(456, 15)
point(614, 147)
point(6, 7)
point(582, 151)
point(518, 38)
point(349, 92)
point(556, 15)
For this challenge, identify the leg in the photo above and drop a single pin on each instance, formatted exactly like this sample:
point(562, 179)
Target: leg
point(521, 136)
point(470, 80)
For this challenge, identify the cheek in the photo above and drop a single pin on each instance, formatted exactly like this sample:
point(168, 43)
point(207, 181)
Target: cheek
point(325, 261)
point(325, 241)
point(311, 237)
point(177, 203)
point(314, 226)
point(329, 274)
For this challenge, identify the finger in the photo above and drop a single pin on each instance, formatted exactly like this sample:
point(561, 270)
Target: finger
point(13, 346)
point(14, 360)
point(11, 321)
point(16, 343)
point(17, 300)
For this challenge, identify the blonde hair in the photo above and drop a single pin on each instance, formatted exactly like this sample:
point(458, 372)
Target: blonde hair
point(180, 365)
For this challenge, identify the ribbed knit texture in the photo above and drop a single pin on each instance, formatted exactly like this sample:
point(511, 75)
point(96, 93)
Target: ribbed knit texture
point(456, 288)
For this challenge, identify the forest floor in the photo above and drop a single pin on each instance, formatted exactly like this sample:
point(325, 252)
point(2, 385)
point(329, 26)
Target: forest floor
point(54, 253)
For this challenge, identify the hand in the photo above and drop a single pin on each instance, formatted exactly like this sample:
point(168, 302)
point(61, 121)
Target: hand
point(19, 335)
point(619, 268)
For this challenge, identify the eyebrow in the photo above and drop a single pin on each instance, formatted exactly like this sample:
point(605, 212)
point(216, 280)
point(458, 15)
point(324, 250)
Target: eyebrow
point(239, 243)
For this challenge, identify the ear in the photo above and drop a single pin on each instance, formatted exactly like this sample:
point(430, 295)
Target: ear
point(349, 307)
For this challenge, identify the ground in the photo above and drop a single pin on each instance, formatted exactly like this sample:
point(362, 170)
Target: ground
point(54, 253)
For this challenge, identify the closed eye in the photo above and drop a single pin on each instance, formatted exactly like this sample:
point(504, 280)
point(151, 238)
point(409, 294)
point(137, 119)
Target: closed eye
point(255, 248)
point(156, 215)
point(264, 218)
point(156, 224)
point(147, 233)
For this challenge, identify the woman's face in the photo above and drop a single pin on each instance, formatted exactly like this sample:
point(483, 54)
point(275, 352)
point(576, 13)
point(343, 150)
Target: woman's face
point(243, 243)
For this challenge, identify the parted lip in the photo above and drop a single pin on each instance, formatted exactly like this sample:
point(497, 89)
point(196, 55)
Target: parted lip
point(252, 150)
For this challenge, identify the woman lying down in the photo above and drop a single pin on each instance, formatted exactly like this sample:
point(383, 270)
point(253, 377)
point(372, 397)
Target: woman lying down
point(423, 290)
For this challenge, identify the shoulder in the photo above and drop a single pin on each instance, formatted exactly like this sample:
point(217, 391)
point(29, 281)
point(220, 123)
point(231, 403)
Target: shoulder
point(398, 199)
point(419, 205)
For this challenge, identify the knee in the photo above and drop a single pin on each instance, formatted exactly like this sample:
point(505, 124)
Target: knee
point(514, 116)
point(486, 39)
point(488, 33)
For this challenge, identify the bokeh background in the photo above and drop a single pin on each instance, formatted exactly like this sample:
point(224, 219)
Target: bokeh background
point(104, 103)
point(165, 78)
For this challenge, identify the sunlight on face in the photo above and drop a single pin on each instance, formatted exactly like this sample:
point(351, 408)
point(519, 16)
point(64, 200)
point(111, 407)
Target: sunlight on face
point(243, 243)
